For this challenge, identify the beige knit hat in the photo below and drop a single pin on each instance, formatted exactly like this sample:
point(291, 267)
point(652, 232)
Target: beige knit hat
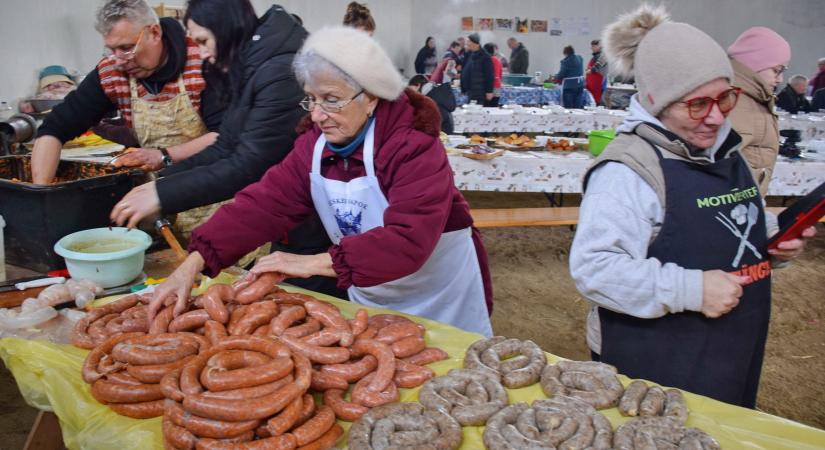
point(668, 59)
point(359, 56)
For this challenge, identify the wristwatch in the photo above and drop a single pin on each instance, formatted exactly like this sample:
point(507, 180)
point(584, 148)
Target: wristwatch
point(165, 159)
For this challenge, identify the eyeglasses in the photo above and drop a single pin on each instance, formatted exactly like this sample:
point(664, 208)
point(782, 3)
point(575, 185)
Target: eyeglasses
point(700, 107)
point(778, 70)
point(124, 55)
point(329, 107)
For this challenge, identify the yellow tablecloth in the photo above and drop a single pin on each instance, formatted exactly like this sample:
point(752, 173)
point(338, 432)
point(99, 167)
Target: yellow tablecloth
point(48, 376)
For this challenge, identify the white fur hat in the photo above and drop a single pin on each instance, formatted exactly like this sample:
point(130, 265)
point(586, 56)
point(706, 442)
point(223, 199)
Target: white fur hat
point(359, 56)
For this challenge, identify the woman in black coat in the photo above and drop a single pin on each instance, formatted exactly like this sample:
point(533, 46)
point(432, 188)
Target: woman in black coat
point(252, 60)
point(426, 60)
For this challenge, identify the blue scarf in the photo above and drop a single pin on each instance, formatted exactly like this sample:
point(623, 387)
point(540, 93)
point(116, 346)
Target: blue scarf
point(350, 148)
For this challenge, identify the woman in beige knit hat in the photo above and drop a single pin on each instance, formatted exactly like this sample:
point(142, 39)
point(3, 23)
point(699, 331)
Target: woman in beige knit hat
point(370, 165)
point(671, 247)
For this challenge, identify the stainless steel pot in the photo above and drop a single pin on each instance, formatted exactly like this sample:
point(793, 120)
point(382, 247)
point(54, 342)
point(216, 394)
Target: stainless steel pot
point(18, 128)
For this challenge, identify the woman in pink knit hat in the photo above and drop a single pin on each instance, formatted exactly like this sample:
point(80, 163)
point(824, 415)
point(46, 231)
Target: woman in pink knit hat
point(759, 57)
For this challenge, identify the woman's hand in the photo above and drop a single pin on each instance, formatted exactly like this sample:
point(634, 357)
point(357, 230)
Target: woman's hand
point(292, 265)
point(720, 292)
point(139, 203)
point(788, 250)
point(179, 284)
point(148, 159)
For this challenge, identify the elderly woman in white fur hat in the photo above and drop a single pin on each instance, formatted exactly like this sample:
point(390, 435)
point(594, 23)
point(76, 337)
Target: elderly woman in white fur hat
point(370, 164)
point(671, 247)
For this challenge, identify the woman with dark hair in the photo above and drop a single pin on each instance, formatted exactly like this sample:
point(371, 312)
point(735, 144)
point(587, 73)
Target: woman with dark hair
point(221, 34)
point(359, 16)
point(426, 61)
point(255, 58)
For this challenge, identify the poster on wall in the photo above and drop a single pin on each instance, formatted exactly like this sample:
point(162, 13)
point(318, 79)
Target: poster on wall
point(569, 26)
point(555, 27)
point(467, 23)
point(584, 26)
point(538, 26)
point(485, 23)
point(521, 25)
point(504, 24)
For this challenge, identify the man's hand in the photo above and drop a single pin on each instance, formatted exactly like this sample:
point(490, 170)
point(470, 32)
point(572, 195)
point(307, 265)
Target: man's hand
point(148, 159)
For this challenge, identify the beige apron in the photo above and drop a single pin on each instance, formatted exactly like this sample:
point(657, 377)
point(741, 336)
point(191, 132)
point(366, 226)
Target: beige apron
point(173, 122)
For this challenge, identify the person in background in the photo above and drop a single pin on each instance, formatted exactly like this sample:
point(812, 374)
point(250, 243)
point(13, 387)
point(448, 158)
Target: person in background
point(571, 65)
point(447, 69)
point(151, 73)
point(254, 57)
point(818, 80)
point(792, 97)
point(680, 281)
point(759, 57)
point(425, 61)
point(818, 101)
point(462, 53)
point(441, 94)
point(492, 50)
point(519, 56)
point(370, 162)
point(359, 16)
point(596, 71)
point(54, 83)
point(477, 75)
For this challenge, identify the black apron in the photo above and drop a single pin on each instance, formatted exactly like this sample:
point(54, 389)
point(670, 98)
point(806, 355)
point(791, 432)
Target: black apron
point(713, 220)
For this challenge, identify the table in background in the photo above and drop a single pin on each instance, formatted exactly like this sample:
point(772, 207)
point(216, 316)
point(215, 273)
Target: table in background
point(526, 95)
point(534, 120)
point(555, 172)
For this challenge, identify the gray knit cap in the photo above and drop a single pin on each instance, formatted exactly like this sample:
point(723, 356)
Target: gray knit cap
point(667, 59)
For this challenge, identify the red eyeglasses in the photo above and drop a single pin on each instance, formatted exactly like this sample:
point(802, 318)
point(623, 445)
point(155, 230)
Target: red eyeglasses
point(700, 107)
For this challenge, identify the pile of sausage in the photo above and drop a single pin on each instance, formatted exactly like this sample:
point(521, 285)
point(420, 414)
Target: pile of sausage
point(469, 396)
point(523, 363)
point(245, 391)
point(405, 426)
point(235, 367)
point(593, 382)
point(641, 400)
point(560, 422)
point(661, 432)
point(126, 370)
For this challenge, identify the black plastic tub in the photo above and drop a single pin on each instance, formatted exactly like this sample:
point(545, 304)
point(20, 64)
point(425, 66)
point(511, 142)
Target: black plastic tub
point(37, 216)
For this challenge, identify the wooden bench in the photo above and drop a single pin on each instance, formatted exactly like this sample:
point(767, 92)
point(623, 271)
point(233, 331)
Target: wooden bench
point(534, 217)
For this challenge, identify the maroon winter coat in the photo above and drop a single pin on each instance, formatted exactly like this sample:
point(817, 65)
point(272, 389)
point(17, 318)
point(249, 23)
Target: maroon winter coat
point(413, 172)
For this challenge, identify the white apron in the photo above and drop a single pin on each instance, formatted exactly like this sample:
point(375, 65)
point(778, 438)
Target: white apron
point(448, 288)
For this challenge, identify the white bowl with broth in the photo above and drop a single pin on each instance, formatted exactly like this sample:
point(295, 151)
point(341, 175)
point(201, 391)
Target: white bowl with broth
point(109, 257)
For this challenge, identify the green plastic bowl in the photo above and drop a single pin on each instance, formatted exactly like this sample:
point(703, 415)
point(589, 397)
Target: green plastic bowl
point(109, 257)
point(549, 85)
point(598, 140)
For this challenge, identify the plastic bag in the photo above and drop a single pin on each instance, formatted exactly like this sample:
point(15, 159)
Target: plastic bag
point(48, 376)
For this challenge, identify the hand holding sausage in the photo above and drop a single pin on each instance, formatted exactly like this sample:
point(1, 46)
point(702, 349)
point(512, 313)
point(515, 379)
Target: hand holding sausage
point(178, 284)
point(148, 159)
point(720, 292)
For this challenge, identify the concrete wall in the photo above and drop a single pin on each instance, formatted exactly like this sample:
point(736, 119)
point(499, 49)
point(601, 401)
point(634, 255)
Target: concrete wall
point(37, 33)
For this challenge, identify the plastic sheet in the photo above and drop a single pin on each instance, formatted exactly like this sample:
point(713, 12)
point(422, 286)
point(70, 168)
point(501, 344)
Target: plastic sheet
point(48, 376)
